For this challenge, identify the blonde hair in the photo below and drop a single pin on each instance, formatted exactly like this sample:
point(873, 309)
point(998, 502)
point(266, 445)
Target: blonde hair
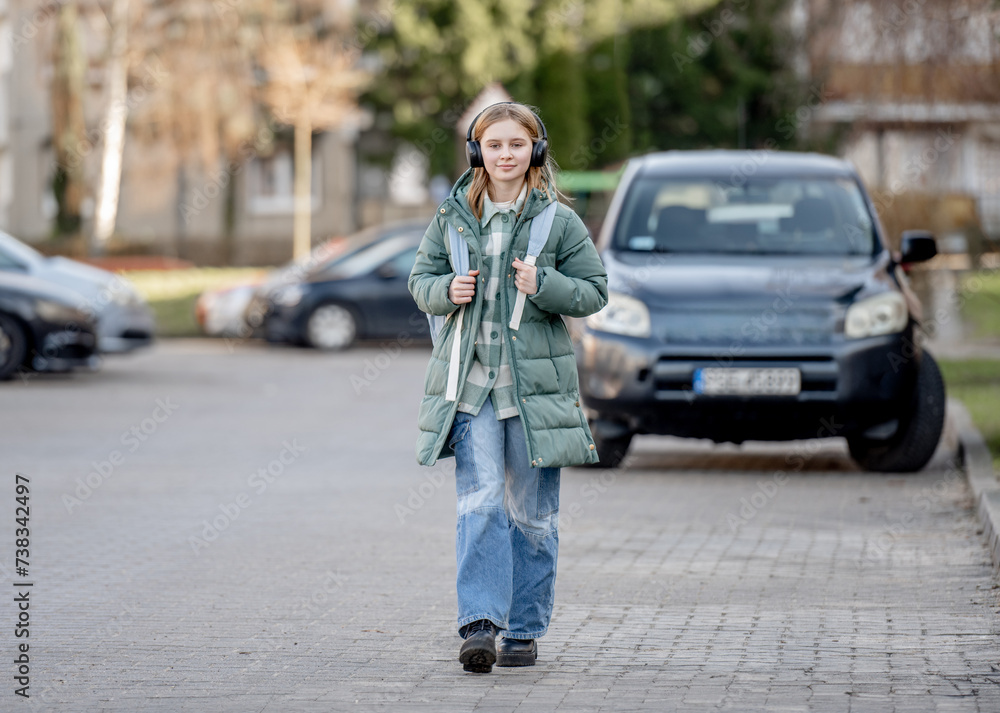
point(540, 177)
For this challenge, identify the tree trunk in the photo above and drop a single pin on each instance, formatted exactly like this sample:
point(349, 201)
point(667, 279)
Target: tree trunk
point(302, 229)
point(68, 127)
point(181, 218)
point(229, 217)
point(116, 113)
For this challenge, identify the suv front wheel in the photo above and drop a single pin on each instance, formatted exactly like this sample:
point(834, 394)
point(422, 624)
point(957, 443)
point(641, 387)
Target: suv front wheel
point(916, 439)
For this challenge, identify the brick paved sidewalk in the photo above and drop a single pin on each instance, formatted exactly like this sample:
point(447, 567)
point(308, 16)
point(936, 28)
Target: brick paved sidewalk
point(694, 579)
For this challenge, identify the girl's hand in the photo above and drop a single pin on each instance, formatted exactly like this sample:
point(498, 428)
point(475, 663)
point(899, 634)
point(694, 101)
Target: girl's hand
point(526, 280)
point(462, 288)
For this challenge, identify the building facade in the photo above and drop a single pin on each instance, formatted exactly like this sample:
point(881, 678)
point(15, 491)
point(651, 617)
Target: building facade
point(237, 211)
point(913, 88)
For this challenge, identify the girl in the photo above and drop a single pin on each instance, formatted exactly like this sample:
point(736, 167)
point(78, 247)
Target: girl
point(516, 418)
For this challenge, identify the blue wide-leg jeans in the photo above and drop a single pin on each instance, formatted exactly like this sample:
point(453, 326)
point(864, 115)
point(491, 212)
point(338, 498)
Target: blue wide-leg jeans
point(507, 539)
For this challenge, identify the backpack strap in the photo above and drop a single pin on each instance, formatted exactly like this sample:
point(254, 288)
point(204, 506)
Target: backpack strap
point(459, 250)
point(541, 226)
point(458, 256)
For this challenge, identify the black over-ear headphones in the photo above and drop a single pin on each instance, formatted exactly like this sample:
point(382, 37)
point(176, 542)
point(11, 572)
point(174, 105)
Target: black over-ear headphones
point(539, 149)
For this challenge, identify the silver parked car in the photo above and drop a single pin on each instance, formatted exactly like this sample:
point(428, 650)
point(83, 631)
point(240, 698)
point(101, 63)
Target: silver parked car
point(124, 320)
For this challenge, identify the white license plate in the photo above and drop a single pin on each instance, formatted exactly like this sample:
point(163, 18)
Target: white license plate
point(747, 382)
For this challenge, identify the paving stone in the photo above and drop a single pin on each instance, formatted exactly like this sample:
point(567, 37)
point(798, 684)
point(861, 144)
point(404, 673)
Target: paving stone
point(333, 587)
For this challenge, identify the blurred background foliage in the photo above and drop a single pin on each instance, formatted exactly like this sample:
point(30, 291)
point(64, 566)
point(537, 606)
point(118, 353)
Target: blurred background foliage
point(611, 79)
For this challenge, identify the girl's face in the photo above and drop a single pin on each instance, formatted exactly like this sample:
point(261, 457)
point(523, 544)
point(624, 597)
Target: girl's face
point(506, 150)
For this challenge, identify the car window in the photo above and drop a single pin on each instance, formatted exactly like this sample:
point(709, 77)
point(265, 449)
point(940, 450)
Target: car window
point(7, 261)
point(15, 255)
point(402, 264)
point(821, 216)
point(323, 256)
point(366, 259)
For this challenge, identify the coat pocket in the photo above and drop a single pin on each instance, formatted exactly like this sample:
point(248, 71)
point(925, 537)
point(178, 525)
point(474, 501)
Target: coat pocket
point(460, 441)
point(548, 492)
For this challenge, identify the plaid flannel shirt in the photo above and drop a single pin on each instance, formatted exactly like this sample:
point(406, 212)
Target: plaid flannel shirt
point(490, 374)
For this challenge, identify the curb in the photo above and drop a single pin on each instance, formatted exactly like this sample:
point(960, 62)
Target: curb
point(975, 456)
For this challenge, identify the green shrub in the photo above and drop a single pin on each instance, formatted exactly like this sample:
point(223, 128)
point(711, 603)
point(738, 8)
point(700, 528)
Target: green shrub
point(976, 383)
point(172, 294)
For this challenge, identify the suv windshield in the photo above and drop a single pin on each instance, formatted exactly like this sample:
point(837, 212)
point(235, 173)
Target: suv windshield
point(792, 216)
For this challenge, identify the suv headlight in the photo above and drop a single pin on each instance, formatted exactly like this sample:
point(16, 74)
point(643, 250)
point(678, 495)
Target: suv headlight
point(881, 314)
point(288, 296)
point(621, 315)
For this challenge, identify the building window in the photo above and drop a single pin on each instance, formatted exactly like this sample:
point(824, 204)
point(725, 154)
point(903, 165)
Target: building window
point(987, 187)
point(271, 181)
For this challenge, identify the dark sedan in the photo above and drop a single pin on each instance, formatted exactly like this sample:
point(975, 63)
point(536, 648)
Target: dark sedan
point(41, 327)
point(752, 296)
point(124, 320)
point(361, 295)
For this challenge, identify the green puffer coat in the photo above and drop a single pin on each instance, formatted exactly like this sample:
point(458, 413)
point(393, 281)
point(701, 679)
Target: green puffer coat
point(572, 281)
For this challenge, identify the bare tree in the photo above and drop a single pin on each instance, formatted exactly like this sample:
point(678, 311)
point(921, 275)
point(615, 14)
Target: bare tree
point(115, 116)
point(205, 104)
point(69, 129)
point(311, 81)
point(228, 69)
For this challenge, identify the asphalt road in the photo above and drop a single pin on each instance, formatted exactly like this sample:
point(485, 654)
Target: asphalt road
point(231, 527)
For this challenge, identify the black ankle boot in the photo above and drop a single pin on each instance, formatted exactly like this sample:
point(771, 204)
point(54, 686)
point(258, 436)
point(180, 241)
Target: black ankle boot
point(479, 650)
point(517, 652)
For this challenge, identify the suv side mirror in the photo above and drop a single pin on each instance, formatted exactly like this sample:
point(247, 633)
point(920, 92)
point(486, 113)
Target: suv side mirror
point(387, 271)
point(917, 246)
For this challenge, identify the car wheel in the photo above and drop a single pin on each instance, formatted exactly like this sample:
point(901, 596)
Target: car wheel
point(331, 327)
point(611, 444)
point(13, 346)
point(919, 431)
